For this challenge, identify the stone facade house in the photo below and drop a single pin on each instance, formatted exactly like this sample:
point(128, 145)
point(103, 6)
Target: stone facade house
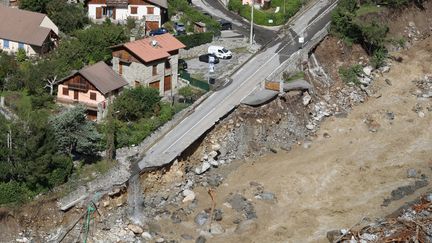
point(33, 32)
point(93, 86)
point(153, 12)
point(152, 61)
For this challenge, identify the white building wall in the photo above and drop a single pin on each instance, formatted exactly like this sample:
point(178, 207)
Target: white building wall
point(92, 10)
point(124, 13)
point(13, 48)
point(47, 23)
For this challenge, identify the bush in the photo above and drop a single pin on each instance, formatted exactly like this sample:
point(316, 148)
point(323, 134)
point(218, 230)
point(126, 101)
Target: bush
point(14, 192)
point(350, 74)
point(196, 39)
point(378, 58)
point(134, 104)
point(129, 133)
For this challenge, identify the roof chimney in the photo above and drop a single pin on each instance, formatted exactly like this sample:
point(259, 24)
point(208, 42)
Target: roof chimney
point(154, 43)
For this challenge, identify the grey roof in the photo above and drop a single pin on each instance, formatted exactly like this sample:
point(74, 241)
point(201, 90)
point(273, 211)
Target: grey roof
point(162, 3)
point(103, 77)
point(22, 26)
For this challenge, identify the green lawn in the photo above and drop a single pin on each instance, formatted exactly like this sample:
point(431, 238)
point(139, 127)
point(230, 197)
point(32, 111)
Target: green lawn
point(287, 9)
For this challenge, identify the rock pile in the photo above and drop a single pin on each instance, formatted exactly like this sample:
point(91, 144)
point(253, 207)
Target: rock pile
point(412, 223)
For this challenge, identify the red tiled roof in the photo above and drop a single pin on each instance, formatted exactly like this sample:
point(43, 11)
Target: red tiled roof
point(147, 52)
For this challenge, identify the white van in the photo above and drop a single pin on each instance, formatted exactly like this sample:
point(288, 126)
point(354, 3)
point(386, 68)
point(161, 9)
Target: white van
point(220, 52)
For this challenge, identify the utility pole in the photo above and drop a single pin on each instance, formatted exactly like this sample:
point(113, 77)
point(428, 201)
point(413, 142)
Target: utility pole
point(251, 28)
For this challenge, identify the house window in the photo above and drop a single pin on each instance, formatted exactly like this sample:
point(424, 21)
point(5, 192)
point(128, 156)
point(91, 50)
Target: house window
point(6, 44)
point(134, 10)
point(92, 96)
point(150, 10)
point(154, 70)
point(167, 64)
point(65, 91)
point(20, 45)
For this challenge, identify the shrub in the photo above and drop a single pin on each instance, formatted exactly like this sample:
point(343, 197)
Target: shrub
point(378, 58)
point(350, 74)
point(196, 39)
point(133, 104)
point(13, 192)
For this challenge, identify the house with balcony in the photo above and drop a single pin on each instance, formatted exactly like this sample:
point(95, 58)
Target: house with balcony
point(32, 32)
point(152, 61)
point(153, 12)
point(93, 86)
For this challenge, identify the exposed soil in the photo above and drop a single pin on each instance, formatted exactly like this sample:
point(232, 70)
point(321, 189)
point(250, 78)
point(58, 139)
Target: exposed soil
point(353, 167)
point(339, 179)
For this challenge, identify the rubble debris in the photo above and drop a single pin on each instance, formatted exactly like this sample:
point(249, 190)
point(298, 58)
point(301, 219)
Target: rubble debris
point(412, 223)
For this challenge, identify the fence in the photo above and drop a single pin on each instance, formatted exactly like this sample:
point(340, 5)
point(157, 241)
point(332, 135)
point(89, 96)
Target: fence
point(195, 82)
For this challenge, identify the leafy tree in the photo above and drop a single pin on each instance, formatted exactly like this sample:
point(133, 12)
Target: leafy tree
point(34, 5)
point(8, 67)
point(136, 103)
point(67, 16)
point(89, 46)
point(74, 133)
point(28, 158)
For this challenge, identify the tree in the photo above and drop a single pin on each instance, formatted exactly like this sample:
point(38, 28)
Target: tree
point(74, 133)
point(34, 5)
point(136, 103)
point(89, 46)
point(8, 67)
point(67, 16)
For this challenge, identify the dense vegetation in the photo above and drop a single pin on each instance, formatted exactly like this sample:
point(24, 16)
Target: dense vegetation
point(360, 24)
point(287, 9)
point(196, 39)
point(38, 145)
point(68, 17)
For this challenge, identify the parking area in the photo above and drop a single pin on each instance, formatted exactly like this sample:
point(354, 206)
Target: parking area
point(200, 70)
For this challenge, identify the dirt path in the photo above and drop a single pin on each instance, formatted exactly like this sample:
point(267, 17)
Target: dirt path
point(341, 179)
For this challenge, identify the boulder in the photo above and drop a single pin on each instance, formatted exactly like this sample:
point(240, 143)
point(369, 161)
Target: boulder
point(411, 173)
point(247, 226)
point(146, 235)
point(306, 99)
point(213, 154)
point(201, 218)
point(216, 229)
point(367, 70)
point(200, 239)
point(189, 195)
point(135, 228)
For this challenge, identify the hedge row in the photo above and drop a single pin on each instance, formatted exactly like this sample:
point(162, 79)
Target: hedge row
point(196, 39)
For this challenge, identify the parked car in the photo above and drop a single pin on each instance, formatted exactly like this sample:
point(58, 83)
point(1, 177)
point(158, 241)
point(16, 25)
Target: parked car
point(159, 31)
point(206, 57)
point(182, 64)
point(225, 25)
point(179, 28)
point(208, 15)
point(220, 52)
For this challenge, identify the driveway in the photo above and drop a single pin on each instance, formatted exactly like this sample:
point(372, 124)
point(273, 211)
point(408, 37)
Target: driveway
point(218, 11)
